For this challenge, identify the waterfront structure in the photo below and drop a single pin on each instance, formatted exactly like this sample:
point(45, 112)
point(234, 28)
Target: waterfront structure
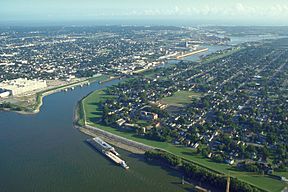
point(21, 86)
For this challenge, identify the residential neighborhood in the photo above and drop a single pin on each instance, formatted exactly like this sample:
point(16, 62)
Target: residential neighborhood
point(235, 109)
point(69, 52)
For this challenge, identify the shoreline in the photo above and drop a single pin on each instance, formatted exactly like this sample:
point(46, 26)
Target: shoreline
point(40, 95)
point(118, 141)
point(112, 141)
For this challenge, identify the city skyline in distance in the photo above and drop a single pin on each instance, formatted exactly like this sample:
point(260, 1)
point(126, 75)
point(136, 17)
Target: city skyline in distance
point(222, 12)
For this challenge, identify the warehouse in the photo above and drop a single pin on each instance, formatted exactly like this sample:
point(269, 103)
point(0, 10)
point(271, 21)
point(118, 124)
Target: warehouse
point(4, 93)
point(21, 86)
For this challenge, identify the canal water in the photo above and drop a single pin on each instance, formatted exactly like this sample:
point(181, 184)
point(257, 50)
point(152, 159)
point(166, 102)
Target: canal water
point(43, 152)
point(235, 40)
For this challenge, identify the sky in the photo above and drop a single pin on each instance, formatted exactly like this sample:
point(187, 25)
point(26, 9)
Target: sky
point(249, 12)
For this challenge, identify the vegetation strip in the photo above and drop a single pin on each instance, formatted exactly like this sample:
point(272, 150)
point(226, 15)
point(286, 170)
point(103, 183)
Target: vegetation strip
point(200, 174)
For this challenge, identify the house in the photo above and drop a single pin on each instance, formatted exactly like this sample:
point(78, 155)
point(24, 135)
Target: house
point(130, 126)
point(209, 155)
point(157, 124)
point(230, 161)
point(195, 146)
point(147, 128)
point(120, 122)
point(144, 115)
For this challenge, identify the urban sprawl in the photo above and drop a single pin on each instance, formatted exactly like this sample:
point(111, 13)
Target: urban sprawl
point(231, 107)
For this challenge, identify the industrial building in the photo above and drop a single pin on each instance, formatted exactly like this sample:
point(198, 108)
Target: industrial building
point(4, 94)
point(20, 86)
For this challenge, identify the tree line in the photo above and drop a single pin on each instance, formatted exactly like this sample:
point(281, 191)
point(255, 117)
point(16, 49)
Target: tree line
point(200, 174)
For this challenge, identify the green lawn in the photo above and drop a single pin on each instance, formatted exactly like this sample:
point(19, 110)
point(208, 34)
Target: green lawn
point(216, 56)
point(99, 78)
point(283, 174)
point(91, 105)
point(93, 115)
point(180, 98)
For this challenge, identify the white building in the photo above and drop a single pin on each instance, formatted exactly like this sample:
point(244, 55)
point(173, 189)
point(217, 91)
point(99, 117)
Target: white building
point(21, 86)
point(4, 94)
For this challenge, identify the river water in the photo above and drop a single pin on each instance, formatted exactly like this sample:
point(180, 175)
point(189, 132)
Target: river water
point(43, 152)
point(235, 40)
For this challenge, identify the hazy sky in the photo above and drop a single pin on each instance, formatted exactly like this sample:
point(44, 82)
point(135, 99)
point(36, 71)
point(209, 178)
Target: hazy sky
point(247, 11)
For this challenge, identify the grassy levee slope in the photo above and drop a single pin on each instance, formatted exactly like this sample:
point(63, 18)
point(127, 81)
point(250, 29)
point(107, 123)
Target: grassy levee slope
point(225, 53)
point(93, 115)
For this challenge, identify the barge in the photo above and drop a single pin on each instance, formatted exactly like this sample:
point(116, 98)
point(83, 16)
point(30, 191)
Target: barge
point(107, 150)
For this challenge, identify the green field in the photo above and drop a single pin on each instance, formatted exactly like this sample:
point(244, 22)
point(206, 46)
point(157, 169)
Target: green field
point(282, 174)
point(216, 56)
point(180, 98)
point(93, 113)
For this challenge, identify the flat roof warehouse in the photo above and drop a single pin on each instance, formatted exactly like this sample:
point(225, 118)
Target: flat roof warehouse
point(20, 86)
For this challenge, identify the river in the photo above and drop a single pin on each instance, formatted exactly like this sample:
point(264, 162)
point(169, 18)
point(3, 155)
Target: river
point(43, 152)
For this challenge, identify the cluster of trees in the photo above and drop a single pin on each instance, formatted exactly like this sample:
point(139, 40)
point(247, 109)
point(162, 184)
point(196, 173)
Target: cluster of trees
point(164, 157)
point(158, 134)
point(195, 172)
point(252, 167)
point(7, 105)
point(106, 118)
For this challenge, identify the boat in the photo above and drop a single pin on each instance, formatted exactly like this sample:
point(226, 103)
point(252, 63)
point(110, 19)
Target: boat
point(124, 165)
point(107, 150)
